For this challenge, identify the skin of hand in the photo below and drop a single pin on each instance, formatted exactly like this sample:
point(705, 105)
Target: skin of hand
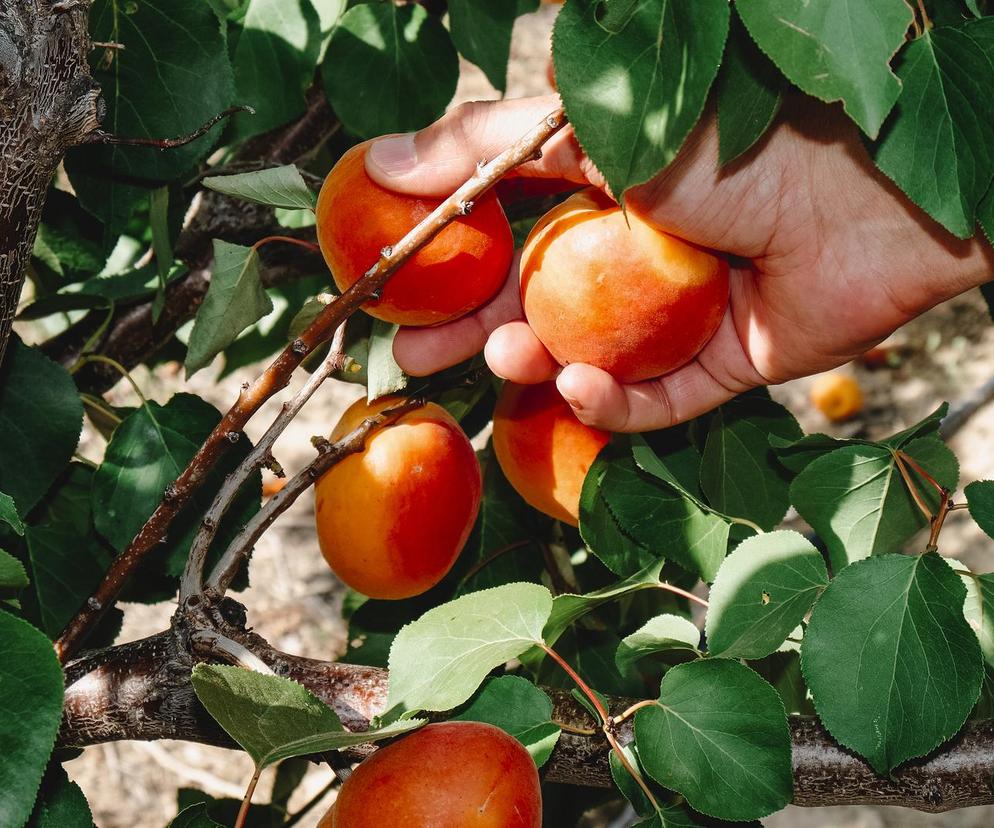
point(829, 257)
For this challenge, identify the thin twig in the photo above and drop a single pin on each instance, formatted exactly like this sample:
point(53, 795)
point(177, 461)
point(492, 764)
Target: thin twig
point(293, 819)
point(277, 375)
point(193, 573)
point(100, 137)
point(907, 458)
point(683, 593)
point(631, 711)
point(330, 454)
point(580, 683)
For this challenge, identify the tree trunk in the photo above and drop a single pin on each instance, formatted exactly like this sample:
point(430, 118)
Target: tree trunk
point(48, 102)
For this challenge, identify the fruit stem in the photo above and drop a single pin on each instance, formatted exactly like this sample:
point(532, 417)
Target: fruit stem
point(746, 522)
point(632, 770)
point(584, 688)
point(247, 800)
point(113, 363)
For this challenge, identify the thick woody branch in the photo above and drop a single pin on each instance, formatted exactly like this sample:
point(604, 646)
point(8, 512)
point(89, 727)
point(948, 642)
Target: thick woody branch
point(142, 691)
point(277, 375)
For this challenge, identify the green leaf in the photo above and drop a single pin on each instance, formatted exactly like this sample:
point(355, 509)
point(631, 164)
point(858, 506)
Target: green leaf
point(161, 86)
point(274, 62)
point(516, 705)
point(718, 736)
point(633, 94)
point(401, 56)
point(855, 497)
point(31, 703)
point(8, 514)
point(892, 664)
point(40, 421)
point(672, 457)
point(601, 531)
point(274, 187)
point(980, 499)
point(438, 661)
point(739, 471)
point(148, 451)
point(659, 634)
point(654, 514)
point(60, 803)
point(482, 34)
point(938, 146)
point(762, 592)
point(384, 374)
point(568, 608)
point(835, 53)
point(235, 300)
point(985, 215)
point(67, 559)
point(194, 817)
point(749, 94)
point(275, 718)
point(13, 576)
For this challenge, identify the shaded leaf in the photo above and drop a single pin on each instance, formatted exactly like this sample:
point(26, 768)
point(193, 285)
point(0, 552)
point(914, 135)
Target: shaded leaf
point(980, 499)
point(60, 803)
point(482, 34)
point(384, 374)
point(516, 705)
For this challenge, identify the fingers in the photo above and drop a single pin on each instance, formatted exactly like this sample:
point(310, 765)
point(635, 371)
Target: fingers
point(512, 350)
point(442, 156)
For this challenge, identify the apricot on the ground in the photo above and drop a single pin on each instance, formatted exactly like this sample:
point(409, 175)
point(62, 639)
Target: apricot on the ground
point(392, 518)
point(837, 396)
point(459, 270)
point(625, 297)
point(464, 774)
point(544, 451)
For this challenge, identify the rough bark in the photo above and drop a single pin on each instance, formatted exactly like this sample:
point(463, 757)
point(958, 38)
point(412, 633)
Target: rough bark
point(48, 102)
point(142, 691)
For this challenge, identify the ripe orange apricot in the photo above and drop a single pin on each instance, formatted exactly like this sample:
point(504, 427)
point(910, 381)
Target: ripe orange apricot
point(625, 297)
point(464, 774)
point(543, 449)
point(837, 396)
point(392, 519)
point(459, 270)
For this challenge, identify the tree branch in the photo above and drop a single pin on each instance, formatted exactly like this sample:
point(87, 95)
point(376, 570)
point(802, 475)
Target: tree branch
point(277, 375)
point(142, 691)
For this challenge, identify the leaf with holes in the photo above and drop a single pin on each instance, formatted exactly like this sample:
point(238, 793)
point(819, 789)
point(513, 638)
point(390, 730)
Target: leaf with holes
point(762, 592)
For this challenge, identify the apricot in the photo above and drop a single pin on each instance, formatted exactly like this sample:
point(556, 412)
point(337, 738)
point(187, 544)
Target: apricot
point(837, 396)
point(625, 297)
point(464, 774)
point(544, 451)
point(392, 518)
point(459, 270)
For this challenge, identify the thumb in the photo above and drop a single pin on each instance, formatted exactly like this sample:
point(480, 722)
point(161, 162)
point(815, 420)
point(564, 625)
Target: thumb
point(436, 160)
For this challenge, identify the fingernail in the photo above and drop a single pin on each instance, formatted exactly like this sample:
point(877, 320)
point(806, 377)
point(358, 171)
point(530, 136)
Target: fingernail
point(574, 403)
point(396, 155)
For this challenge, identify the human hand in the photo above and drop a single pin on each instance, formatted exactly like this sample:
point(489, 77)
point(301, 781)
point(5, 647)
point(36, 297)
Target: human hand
point(831, 257)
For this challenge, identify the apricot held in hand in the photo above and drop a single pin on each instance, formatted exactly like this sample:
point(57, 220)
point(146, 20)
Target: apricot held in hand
point(446, 775)
point(625, 297)
point(392, 519)
point(459, 270)
point(544, 451)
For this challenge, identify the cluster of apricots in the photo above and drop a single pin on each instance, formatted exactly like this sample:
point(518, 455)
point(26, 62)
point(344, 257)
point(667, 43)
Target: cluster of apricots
point(598, 286)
